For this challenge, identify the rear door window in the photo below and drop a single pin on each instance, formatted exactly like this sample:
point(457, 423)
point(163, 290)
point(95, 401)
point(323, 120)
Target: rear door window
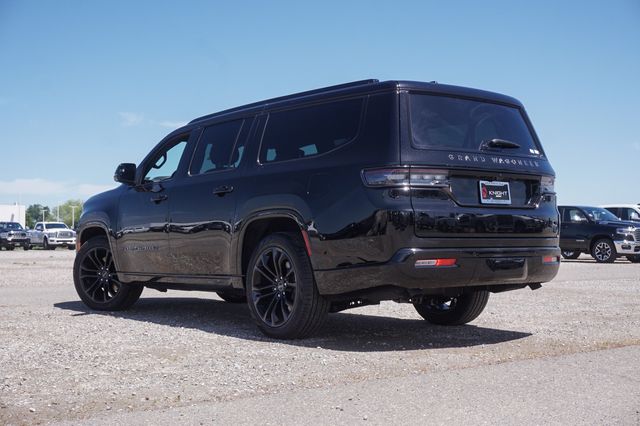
point(444, 122)
point(217, 149)
point(310, 131)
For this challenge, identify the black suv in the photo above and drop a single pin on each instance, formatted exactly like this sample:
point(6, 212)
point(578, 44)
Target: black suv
point(331, 199)
point(597, 231)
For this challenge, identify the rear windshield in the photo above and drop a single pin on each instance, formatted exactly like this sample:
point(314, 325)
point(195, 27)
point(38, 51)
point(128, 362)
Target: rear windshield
point(462, 124)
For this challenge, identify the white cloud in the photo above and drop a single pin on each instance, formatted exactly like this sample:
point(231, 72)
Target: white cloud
point(47, 189)
point(130, 118)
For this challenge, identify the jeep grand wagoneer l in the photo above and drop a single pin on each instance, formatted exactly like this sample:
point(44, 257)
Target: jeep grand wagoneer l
point(331, 199)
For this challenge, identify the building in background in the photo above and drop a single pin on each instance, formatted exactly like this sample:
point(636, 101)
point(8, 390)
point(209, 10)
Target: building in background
point(13, 213)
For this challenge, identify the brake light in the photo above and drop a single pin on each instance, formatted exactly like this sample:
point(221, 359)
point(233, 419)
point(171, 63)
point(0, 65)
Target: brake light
point(408, 176)
point(435, 263)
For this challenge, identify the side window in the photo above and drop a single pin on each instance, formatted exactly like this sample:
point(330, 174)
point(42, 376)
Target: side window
point(217, 148)
point(310, 131)
point(633, 215)
point(165, 163)
point(38, 227)
point(622, 213)
point(576, 216)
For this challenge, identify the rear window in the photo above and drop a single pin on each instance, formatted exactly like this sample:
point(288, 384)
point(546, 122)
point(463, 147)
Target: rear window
point(310, 131)
point(463, 124)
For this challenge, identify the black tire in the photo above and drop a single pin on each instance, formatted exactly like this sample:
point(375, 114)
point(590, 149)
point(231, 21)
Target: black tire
point(445, 310)
point(570, 254)
point(70, 247)
point(281, 291)
point(232, 296)
point(10, 248)
point(96, 280)
point(634, 258)
point(603, 251)
point(26, 247)
point(46, 245)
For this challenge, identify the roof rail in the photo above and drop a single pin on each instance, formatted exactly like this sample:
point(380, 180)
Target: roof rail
point(293, 95)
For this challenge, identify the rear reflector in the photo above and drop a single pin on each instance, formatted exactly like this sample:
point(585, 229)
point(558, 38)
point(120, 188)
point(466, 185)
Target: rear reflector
point(551, 259)
point(434, 263)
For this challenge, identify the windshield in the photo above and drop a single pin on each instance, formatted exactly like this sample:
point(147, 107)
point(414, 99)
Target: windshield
point(463, 124)
point(56, 226)
point(598, 214)
point(10, 225)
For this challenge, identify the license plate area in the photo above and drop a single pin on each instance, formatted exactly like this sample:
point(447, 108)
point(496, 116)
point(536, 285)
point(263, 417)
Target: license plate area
point(494, 192)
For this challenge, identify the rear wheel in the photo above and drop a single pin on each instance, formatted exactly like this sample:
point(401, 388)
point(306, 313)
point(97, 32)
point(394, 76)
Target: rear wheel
point(96, 280)
point(603, 251)
point(281, 291)
point(457, 310)
point(570, 254)
point(634, 258)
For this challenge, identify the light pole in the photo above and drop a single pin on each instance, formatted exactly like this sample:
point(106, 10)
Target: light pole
point(43, 212)
point(58, 213)
point(73, 216)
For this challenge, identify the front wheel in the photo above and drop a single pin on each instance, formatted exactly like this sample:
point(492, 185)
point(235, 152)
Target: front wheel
point(570, 254)
point(456, 310)
point(634, 258)
point(96, 279)
point(281, 291)
point(603, 251)
point(47, 246)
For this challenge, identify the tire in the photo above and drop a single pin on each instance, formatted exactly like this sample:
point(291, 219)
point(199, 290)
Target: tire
point(70, 247)
point(96, 280)
point(443, 310)
point(570, 254)
point(46, 245)
point(26, 247)
point(281, 291)
point(10, 248)
point(634, 258)
point(232, 296)
point(603, 251)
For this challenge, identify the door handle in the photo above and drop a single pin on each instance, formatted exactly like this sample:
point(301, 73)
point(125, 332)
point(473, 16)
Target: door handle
point(159, 198)
point(221, 190)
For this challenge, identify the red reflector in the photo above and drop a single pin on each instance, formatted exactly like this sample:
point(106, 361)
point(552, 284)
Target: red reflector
point(550, 259)
point(434, 263)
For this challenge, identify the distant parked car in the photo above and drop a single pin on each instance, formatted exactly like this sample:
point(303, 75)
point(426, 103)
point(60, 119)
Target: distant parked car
point(13, 235)
point(630, 212)
point(50, 235)
point(597, 231)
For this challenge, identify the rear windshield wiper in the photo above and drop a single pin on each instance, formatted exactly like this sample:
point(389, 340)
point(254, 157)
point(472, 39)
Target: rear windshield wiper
point(498, 143)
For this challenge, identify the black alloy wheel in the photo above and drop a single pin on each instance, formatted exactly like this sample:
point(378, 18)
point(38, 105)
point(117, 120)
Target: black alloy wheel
point(603, 251)
point(281, 291)
point(96, 280)
point(453, 310)
point(570, 254)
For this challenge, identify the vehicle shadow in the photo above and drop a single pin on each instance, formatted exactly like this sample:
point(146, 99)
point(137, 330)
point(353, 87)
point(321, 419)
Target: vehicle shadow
point(343, 331)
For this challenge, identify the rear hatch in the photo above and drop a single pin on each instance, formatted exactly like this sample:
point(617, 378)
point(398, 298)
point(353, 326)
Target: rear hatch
point(477, 168)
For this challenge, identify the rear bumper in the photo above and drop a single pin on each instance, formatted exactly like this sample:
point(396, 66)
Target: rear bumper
point(474, 267)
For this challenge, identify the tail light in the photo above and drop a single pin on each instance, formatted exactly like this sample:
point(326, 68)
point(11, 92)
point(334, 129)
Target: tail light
point(435, 263)
point(399, 177)
point(550, 259)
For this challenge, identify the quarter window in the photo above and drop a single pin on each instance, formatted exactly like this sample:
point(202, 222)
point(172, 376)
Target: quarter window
point(216, 146)
point(310, 131)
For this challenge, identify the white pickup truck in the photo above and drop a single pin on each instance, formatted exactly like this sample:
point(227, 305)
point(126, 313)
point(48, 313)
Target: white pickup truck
point(50, 235)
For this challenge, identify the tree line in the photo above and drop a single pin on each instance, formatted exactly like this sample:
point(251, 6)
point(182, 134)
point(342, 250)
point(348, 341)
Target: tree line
point(65, 211)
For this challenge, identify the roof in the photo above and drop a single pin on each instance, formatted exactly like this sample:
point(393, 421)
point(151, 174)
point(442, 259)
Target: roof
point(363, 87)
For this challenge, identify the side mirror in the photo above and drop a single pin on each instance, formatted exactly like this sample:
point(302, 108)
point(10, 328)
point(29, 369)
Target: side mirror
point(125, 173)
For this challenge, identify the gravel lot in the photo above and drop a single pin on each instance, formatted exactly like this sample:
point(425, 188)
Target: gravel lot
point(61, 362)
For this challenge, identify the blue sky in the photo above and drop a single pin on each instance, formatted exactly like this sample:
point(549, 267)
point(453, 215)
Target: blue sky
point(87, 85)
